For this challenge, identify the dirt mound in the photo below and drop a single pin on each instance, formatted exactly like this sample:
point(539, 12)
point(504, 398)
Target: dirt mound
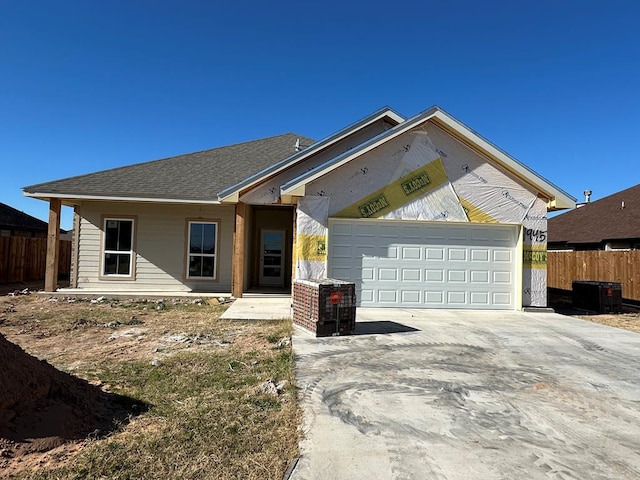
point(42, 408)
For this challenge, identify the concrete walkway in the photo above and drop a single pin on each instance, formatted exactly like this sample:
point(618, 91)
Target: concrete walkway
point(259, 308)
point(432, 394)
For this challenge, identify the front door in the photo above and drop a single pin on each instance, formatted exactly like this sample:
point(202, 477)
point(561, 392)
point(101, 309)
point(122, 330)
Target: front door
point(272, 258)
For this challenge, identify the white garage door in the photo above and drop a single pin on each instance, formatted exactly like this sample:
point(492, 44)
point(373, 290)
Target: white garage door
point(425, 264)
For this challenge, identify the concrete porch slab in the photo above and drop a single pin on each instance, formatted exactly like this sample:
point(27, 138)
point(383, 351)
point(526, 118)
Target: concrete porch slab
point(259, 308)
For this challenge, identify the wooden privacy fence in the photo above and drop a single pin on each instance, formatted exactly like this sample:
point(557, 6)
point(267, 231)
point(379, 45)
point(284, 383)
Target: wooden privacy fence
point(23, 259)
point(604, 266)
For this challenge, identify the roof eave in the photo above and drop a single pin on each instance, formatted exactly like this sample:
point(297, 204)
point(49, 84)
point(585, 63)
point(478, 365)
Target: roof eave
point(70, 197)
point(231, 194)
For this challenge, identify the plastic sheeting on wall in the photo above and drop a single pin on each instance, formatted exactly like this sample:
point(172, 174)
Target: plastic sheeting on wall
point(534, 251)
point(311, 237)
point(397, 193)
point(439, 204)
point(490, 194)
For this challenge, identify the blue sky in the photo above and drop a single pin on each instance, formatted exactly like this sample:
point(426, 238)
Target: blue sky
point(90, 85)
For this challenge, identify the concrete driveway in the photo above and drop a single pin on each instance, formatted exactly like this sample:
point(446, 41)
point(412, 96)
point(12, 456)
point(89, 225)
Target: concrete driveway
point(429, 394)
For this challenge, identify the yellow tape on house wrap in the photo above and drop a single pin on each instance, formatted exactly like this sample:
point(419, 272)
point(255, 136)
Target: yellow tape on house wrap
point(398, 193)
point(474, 214)
point(311, 247)
point(534, 256)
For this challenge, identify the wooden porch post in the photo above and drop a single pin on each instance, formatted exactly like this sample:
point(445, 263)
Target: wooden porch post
point(53, 246)
point(238, 260)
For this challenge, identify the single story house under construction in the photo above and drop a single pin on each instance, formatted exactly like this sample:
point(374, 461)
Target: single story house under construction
point(419, 212)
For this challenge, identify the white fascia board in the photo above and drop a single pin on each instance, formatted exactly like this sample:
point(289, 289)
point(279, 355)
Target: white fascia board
point(385, 112)
point(321, 170)
point(47, 196)
point(558, 199)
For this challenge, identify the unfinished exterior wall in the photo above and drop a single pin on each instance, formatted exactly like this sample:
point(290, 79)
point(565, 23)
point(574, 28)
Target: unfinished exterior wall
point(425, 174)
point(160, 246)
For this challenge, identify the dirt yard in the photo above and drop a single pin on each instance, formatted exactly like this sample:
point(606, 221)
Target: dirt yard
point(626, 321)
point(119, 371)
point(629, 319)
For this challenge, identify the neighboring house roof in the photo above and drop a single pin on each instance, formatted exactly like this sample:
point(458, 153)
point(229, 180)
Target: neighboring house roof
point(558, 199)
point(616, 217)
point(12, 218)
point(194, 177)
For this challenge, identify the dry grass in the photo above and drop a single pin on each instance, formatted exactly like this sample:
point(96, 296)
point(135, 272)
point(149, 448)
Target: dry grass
point(208, 417)
point(627, 321)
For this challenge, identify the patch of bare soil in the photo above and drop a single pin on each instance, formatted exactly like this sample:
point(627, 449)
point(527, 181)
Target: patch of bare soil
point(47, 415)
point(627, 321)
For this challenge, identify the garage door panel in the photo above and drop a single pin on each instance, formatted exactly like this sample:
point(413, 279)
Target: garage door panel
point(502, 277)
point(434, 275)
point(392, 252)
point(479, 299)
point(455, 298)
point(479, 276)
point(411, 253)
point(366, 295)
point(413, 233)
point(503, 256)
point(388, 232)
point(411, 297)
point(411, 275)
point(502, 298)
point(388, 296)
point(425, 264)
point(434, 298)
point(364, 250)
point(457, 254)
point(480, 255)
point(342, 251)
point(363, 230)
point(341, 229)
point(366, 273)
point(457, 276)
point(434, 253)
point(388, 274)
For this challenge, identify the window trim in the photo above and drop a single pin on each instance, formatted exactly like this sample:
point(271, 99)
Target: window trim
point(188, 223)
point(103, 251)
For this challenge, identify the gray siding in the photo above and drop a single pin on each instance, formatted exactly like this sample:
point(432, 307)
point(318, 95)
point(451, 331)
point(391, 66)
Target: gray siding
point(160, 239)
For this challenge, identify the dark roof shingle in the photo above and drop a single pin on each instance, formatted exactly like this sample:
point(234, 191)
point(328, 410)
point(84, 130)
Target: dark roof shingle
point(615, 217)
point(194, 176)
point(10, 217)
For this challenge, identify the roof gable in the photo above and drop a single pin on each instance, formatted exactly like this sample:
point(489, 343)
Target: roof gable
point(194, 177)
point(615, 217)
point(558, 199)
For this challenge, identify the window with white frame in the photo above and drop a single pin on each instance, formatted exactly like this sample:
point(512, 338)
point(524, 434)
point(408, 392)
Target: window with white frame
point(202, 249)
point(118, 247)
